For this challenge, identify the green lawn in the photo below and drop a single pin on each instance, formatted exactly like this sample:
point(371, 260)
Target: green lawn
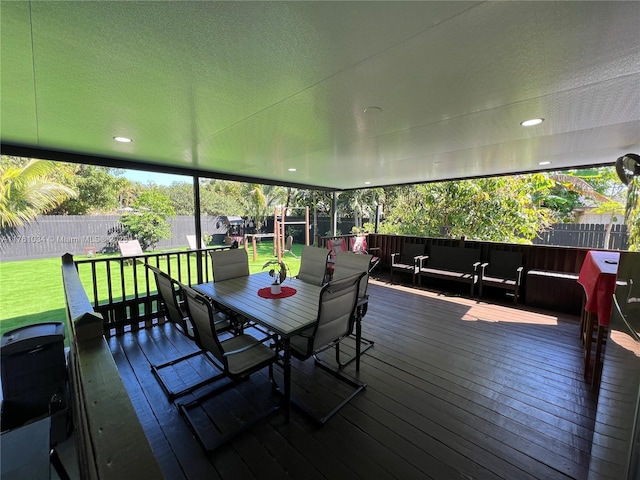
point(31, 290)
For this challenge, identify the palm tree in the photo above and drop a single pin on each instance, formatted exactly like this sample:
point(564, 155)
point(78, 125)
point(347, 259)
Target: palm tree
point(26, 192)
point(360, 203)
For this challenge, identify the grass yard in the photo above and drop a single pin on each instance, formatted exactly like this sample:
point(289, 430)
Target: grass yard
point(31, 290)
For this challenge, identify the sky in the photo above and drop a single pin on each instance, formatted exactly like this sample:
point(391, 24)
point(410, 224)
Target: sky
point(157, 178)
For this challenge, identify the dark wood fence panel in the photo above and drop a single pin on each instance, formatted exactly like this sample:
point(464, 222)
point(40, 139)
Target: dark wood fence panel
point(585, 236)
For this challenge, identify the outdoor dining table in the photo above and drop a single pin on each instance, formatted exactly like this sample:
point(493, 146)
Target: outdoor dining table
point(286, 315)
point(598, 278)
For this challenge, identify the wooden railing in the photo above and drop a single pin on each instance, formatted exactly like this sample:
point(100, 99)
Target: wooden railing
point(110, 441)
point(123, 290)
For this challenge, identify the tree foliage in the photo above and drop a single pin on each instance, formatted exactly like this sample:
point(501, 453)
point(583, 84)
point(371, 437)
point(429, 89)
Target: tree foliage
point(633, 214)
point(496, 209)
point(100, 189)
point(360, 204)
point(26, 191)
point(596, 188)
point(148, 222)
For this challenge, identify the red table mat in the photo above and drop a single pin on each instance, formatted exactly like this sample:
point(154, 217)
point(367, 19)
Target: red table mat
point(286, 292)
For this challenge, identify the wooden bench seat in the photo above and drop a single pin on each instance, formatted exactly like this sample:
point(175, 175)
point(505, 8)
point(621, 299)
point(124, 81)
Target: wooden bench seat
point(451, 263)
point(552, 290)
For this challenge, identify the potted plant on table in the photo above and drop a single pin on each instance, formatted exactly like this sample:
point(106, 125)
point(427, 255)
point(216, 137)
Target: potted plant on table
point(279, 273)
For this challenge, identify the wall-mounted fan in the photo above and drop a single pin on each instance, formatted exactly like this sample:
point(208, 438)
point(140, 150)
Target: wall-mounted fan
point(627, 167)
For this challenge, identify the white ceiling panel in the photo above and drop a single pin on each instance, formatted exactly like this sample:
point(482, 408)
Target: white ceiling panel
point(247, 90)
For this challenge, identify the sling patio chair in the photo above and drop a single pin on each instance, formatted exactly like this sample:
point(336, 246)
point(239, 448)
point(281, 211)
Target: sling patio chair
point(313, 265)
point(336, 308)
point(228, 264)
point(288, 247)
point(347, 264)
point(335, 246)
point(168, 290)
point(408, 260)
point(237, 357)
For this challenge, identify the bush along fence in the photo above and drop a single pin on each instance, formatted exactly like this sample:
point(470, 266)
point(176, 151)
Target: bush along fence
point(586, 236)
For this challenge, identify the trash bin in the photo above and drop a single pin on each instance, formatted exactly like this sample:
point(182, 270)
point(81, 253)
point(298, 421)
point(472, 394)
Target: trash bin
point(34, 377)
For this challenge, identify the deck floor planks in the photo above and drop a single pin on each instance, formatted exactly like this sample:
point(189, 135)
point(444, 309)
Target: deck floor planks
point(552, 400)
point(457, 388)
point(168, 419)
point(161, 448)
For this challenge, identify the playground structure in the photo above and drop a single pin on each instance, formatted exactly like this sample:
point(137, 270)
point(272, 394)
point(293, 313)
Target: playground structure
point(279, 232)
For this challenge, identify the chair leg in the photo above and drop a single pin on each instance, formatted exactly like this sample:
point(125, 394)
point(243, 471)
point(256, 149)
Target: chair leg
point(195, 424)
point(171, 395)
point(357, 386)
point(359, 350)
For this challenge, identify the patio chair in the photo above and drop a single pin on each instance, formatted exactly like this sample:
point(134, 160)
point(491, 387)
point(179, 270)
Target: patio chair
point(313, 265)
point(504, 270)
point(359, 245)
point(238, 357)
point(227, 264)
point(168, 290)
point(288, 245)
point(628, 284)
point(407, 261)
point(338, 300)
point(347, 264)
point(335, 246)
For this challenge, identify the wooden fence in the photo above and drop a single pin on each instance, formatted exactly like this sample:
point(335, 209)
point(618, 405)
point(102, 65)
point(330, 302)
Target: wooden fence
point(586, 236)
point(54, 235)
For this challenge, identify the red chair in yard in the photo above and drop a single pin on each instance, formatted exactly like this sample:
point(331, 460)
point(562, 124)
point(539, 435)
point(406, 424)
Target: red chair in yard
point(335, 246)
point(359, 245)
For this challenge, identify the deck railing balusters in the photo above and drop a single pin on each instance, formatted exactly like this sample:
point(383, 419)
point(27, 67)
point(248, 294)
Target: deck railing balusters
point(135, 306)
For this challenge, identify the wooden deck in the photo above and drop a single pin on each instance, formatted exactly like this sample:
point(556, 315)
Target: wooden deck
point(457, 389)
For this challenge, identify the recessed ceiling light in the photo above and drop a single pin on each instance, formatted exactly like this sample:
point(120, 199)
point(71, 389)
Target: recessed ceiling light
point(293, 169)
point(372, 110)
point(544, 163)
point(532, 122)
point(367, 183)
point(123, 139)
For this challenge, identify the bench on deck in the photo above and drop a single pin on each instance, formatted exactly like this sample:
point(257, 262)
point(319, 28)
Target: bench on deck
point(554, 291)
point(451, 263)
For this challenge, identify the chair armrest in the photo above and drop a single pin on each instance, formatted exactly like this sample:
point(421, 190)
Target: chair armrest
point(419, 260)
point(362, 301)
